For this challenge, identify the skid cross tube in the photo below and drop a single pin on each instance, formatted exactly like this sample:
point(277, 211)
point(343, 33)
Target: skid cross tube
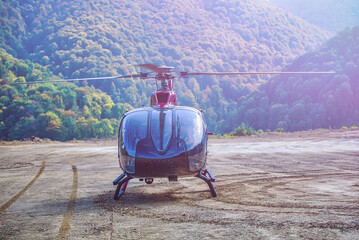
point(202, 174)
point(121, 183)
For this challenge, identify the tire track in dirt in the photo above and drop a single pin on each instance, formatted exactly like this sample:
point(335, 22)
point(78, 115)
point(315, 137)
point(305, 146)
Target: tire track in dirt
point(227, 187)
point(168, 211)
point(19, 194)
point(66, 221)
point(226, 192)
point(17, 165)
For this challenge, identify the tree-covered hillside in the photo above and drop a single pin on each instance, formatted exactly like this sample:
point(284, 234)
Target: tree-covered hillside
point(92, 38)
point(100, 38)
point(301, 102)
point(61, 111)
point(332, 15)
point(78, 38)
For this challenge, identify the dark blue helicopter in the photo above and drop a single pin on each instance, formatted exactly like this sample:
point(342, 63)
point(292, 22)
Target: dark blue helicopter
point(163, 140)
point(166, 140)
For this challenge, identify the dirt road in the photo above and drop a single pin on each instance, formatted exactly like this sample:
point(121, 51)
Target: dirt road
point(274, 187)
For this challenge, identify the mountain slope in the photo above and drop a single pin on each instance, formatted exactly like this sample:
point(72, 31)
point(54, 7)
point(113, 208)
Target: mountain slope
point(303, 102)
point(12, 28)
point(77, 38)
point(98, 38)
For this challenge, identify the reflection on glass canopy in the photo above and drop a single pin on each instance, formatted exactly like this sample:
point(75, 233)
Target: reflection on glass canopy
point(167, 142)
point(161, 128)
point(134, 128)
point(186, 125)
point(190, 127)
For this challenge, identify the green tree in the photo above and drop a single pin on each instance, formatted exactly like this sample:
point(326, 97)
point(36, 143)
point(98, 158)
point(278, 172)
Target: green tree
point(50, 125)
point(103, 128)
point(81, 130)
point(68, 128)
point(24, 128)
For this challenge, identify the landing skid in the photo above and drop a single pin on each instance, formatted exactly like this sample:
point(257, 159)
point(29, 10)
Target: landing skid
point(124, 178)
point(208, 177)
point(121, 183)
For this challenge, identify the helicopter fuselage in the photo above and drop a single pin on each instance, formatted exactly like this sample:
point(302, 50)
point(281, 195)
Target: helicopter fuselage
point(162, 142)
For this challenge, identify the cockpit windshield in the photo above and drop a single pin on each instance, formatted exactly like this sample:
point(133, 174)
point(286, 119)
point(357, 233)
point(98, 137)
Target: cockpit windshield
point(187, 125)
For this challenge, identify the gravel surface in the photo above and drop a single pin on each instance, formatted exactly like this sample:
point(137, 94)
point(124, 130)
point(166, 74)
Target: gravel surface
point(277, 186)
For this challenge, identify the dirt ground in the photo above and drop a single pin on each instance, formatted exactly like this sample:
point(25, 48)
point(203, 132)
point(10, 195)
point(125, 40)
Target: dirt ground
point(291, 186)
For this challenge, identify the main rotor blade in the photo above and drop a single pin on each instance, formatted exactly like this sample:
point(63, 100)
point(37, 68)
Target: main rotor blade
point(186, 74)
point(157, 69)
point(151, 67)
point(81, 79)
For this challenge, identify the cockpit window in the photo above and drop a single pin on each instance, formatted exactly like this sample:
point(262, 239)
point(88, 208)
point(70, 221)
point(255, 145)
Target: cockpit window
point(161, 128)
point(134, 129)
point(190, 127)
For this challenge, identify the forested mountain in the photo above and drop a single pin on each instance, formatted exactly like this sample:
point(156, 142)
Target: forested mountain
point(100, 38)
point(301, 102)
point(332, 15)
point(60, 111)
point(90, 38)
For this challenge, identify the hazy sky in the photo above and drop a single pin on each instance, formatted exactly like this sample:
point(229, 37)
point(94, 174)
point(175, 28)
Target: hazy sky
point(332, 15)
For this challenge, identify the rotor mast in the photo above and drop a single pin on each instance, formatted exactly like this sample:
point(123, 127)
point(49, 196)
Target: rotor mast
point(164, 74)
point(164, 96)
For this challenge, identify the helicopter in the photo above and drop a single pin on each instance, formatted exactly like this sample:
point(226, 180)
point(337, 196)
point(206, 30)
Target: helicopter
point(164, 140)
